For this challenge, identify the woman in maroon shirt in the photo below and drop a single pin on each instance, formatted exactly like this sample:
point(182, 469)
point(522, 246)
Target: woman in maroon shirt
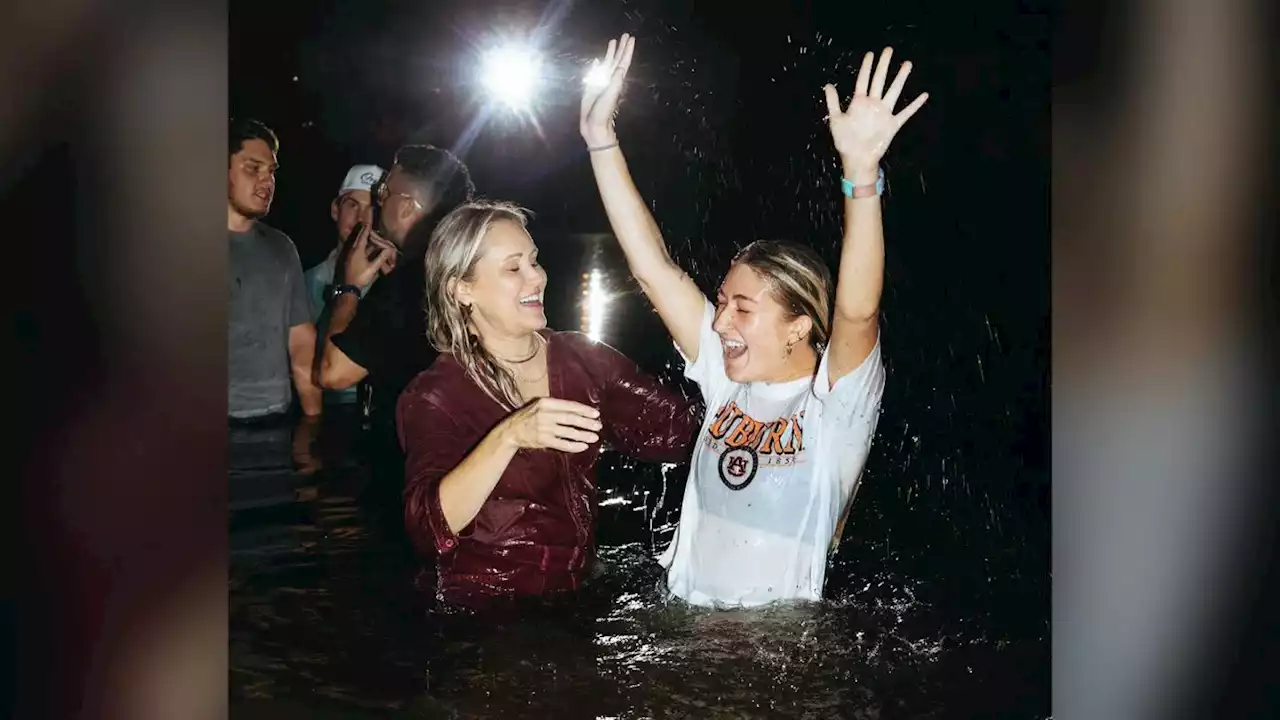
point(503, 432)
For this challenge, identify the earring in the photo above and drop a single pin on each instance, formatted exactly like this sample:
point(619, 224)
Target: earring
point(790, 346)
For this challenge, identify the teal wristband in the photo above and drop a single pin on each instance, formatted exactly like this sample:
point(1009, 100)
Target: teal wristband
point(847, 186)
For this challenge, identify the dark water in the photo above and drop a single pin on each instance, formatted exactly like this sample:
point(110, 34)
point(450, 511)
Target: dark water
point(938, 598)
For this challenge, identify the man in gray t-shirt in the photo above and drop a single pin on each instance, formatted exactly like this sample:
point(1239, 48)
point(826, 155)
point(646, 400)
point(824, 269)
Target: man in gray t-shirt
point(271, 337)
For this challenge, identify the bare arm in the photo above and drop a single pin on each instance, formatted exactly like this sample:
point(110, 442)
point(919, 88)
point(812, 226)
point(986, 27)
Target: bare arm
point(673, 293)
point(446, 488)
point(465, 488)
point(861, 134)
point(855, 325)
point(436, 454)
point(445, 483)
point(336, 370)
point(302, 348)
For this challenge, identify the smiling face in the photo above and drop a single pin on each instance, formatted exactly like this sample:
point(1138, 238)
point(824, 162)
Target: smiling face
point(755, 329)
point(505, 288)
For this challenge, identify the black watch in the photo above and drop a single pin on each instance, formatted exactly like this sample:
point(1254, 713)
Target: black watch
point(346, 289)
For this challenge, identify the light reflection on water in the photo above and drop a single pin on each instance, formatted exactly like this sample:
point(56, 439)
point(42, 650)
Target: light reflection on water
point(936, 610)
point(323, 616)
point(595, 296)
point(595, 304)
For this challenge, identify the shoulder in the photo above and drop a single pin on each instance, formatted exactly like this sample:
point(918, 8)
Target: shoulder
point(569, 339)
point(855, 398)
point(272, 234)
point(598, 359)
point(582, 345)
point(435, 388)
point(322, 271)
point(276, 239)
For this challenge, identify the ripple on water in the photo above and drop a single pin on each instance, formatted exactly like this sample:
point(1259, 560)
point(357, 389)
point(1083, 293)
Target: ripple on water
point(323, 613)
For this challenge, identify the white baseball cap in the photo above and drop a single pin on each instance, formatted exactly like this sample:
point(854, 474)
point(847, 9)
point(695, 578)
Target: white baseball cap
point(360, 177)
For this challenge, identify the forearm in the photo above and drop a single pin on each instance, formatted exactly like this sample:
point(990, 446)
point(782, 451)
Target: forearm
point(632, 223)
point(302, 352)
point(343, 312)
point(674, 295)
point(647, 420)
point(335, 370)
point(309, 393)
point(466, 488)
point(669, 437)
point(861, 275)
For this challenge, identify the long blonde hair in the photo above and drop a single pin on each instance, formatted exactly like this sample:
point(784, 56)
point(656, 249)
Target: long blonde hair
point(452, 254)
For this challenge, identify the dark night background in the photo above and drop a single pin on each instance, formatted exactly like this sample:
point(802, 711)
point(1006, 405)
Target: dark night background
point(722, 126)
point(113, 142)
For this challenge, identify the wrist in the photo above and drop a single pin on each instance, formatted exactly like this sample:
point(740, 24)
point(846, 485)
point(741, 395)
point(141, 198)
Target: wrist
point(505, 436)
point(860, 173)
point(347, 293)
point(600, 138)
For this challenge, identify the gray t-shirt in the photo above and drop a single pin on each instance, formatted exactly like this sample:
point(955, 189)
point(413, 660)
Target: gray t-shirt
point(268, 296)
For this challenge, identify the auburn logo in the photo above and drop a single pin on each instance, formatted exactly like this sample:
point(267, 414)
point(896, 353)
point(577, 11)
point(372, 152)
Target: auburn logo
point(745, 443)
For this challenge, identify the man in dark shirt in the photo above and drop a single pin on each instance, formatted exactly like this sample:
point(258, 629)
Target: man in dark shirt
point(381, 338)
point(348, 209)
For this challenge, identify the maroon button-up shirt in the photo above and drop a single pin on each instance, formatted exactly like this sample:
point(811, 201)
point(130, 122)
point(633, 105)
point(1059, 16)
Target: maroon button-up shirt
point(536, 532)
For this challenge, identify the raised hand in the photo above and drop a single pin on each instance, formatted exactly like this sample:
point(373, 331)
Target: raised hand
point(600, 104)
point(862, 132)
point(359, 268)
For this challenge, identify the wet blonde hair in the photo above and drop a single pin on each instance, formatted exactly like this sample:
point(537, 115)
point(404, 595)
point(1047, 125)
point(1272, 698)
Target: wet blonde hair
point(455, 248)
point(798, 279)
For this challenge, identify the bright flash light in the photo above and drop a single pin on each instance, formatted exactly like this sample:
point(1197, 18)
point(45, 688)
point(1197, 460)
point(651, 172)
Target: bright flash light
point(511, 75)
point(595, 305)
point(597, 76)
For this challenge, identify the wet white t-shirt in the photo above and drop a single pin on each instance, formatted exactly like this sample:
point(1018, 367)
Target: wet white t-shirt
point(773, 470)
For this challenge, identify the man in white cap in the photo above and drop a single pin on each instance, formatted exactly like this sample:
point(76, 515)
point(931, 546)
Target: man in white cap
point(351, 204)
point(353, 200)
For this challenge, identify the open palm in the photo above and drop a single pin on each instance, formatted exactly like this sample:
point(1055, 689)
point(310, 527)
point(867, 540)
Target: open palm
point(600, 103)
point(863, 131)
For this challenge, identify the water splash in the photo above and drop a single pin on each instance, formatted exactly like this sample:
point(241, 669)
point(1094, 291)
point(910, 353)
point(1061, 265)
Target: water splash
point(912, 588)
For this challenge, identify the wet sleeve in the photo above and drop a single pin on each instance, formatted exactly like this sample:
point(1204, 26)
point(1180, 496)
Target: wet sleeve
point(851, 411)
point(433, 446)
point(708, 370)
point(642, 418)
point(299, 305)
point(855, 396)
